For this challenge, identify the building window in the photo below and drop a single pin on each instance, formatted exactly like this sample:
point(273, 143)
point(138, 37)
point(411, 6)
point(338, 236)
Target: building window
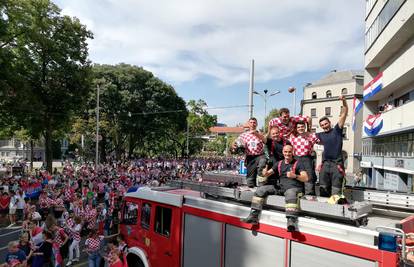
point(381, 21)
point(314, 96)
point(328, 111)
point(345, 132)
point(344, 91)
point(163, 218)
point(402, 100)
point(328, 94)
point(146, 215)
point(369, 5)
point(313, 112)
point(130, 214)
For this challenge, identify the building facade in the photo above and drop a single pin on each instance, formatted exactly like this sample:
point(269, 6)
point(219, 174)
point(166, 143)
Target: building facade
point(388, 152)
point(14, 149)
point(320, 99)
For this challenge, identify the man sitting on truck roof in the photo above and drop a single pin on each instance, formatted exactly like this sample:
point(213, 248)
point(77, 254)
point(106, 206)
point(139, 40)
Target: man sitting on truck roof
point(292, 176)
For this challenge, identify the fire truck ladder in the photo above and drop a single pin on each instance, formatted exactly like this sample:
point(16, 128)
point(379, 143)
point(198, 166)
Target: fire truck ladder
point(355, 213)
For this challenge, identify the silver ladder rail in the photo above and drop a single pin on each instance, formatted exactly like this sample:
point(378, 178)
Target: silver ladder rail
point(356, 213)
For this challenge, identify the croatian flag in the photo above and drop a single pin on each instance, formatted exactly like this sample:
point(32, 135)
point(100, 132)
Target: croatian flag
point(356, 106)
point(373, 125)
point(33, 190)
point(373, 87)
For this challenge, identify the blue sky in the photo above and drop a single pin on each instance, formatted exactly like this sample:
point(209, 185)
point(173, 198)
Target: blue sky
point(204, 47)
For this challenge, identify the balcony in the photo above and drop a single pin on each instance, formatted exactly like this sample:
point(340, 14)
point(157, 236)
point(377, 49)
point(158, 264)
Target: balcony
point(384, 40)
point(396, 138)
point(398, 119)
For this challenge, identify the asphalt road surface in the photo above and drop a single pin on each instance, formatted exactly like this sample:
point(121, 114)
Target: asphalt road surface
point(13, 233)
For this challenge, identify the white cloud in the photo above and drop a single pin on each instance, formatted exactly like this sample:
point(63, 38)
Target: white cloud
point(181, 40)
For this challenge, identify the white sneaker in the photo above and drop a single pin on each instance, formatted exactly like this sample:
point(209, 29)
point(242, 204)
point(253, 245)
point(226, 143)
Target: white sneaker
point(75, 260)
point(69, 263)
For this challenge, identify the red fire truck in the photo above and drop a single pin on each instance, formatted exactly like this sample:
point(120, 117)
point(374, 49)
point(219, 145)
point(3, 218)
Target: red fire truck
point(179, 226)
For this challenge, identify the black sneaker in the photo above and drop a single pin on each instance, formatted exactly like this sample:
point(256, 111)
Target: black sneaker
point(292, 224)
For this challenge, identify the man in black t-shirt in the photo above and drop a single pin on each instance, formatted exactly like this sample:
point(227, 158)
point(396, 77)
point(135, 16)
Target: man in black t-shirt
point(292, 176)
point(275, 144)
point(331, 175)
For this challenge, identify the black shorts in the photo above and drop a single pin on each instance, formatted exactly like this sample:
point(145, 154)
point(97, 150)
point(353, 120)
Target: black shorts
point(4, 211)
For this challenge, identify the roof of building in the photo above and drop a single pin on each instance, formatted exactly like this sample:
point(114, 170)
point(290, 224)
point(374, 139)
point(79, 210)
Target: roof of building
point(337, 77)
point(217, 129)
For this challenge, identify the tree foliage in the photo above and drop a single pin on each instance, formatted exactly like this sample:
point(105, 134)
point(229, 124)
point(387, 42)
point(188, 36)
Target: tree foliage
point(48, 89)
point(47, 70)
point(137, 110)
point(272, 114)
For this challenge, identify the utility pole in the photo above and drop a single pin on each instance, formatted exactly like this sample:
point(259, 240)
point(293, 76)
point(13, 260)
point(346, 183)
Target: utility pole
point(265, 102)
point(251, 89)
point(265, 98)
point(83, 148)
point(292, 90)
point(97, 128)
point(188, 137)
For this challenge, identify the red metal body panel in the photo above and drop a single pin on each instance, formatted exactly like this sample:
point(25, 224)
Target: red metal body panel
point(384, 258)
point(160, 250)
point(164, 251)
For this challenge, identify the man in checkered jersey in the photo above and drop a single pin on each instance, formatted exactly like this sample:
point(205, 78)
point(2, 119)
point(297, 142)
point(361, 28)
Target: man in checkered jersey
point(254, 149)
point(302, 143)
point(286, 123)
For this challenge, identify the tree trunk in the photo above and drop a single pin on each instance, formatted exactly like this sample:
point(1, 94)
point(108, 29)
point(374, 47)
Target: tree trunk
point(48, 149)
point(131, 146)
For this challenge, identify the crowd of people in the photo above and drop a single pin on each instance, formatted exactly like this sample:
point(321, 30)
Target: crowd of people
point(56, 211)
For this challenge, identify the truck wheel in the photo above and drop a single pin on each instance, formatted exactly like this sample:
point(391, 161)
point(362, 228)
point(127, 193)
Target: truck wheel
point(134, 261)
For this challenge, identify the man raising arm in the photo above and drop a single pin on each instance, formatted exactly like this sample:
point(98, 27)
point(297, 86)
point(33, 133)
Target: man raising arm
point(331, 176)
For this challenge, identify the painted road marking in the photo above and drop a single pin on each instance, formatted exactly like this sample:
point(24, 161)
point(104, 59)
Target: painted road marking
point(81, 264)
point(9, 233)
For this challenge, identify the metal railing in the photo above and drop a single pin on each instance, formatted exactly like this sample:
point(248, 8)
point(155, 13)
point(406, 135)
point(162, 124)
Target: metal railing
point(381, 21)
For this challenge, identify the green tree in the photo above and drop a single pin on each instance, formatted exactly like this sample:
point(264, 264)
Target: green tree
point(48, 54)
point(138, 112)
point(199, 122)
point(218, 145)
point(272, 114)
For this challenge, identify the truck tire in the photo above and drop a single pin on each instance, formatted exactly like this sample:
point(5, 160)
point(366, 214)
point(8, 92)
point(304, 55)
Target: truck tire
point(134, 261)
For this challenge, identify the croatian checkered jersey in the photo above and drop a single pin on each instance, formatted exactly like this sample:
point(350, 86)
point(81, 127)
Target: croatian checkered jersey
point(93, 243)
point(286, 129)
point(302, 145)
point(253, 144)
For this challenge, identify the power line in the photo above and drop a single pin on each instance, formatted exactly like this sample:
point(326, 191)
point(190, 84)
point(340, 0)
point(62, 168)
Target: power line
point(42, 113)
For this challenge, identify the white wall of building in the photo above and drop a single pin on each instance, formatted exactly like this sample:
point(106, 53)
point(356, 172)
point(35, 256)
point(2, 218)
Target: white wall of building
point(320, 104)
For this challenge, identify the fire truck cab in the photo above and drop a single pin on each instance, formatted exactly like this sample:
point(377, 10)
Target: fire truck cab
point(178, 227)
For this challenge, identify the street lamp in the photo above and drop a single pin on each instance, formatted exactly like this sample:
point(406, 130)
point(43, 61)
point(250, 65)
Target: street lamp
point(293, 90)
point(265, 97)
point(97, 128)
